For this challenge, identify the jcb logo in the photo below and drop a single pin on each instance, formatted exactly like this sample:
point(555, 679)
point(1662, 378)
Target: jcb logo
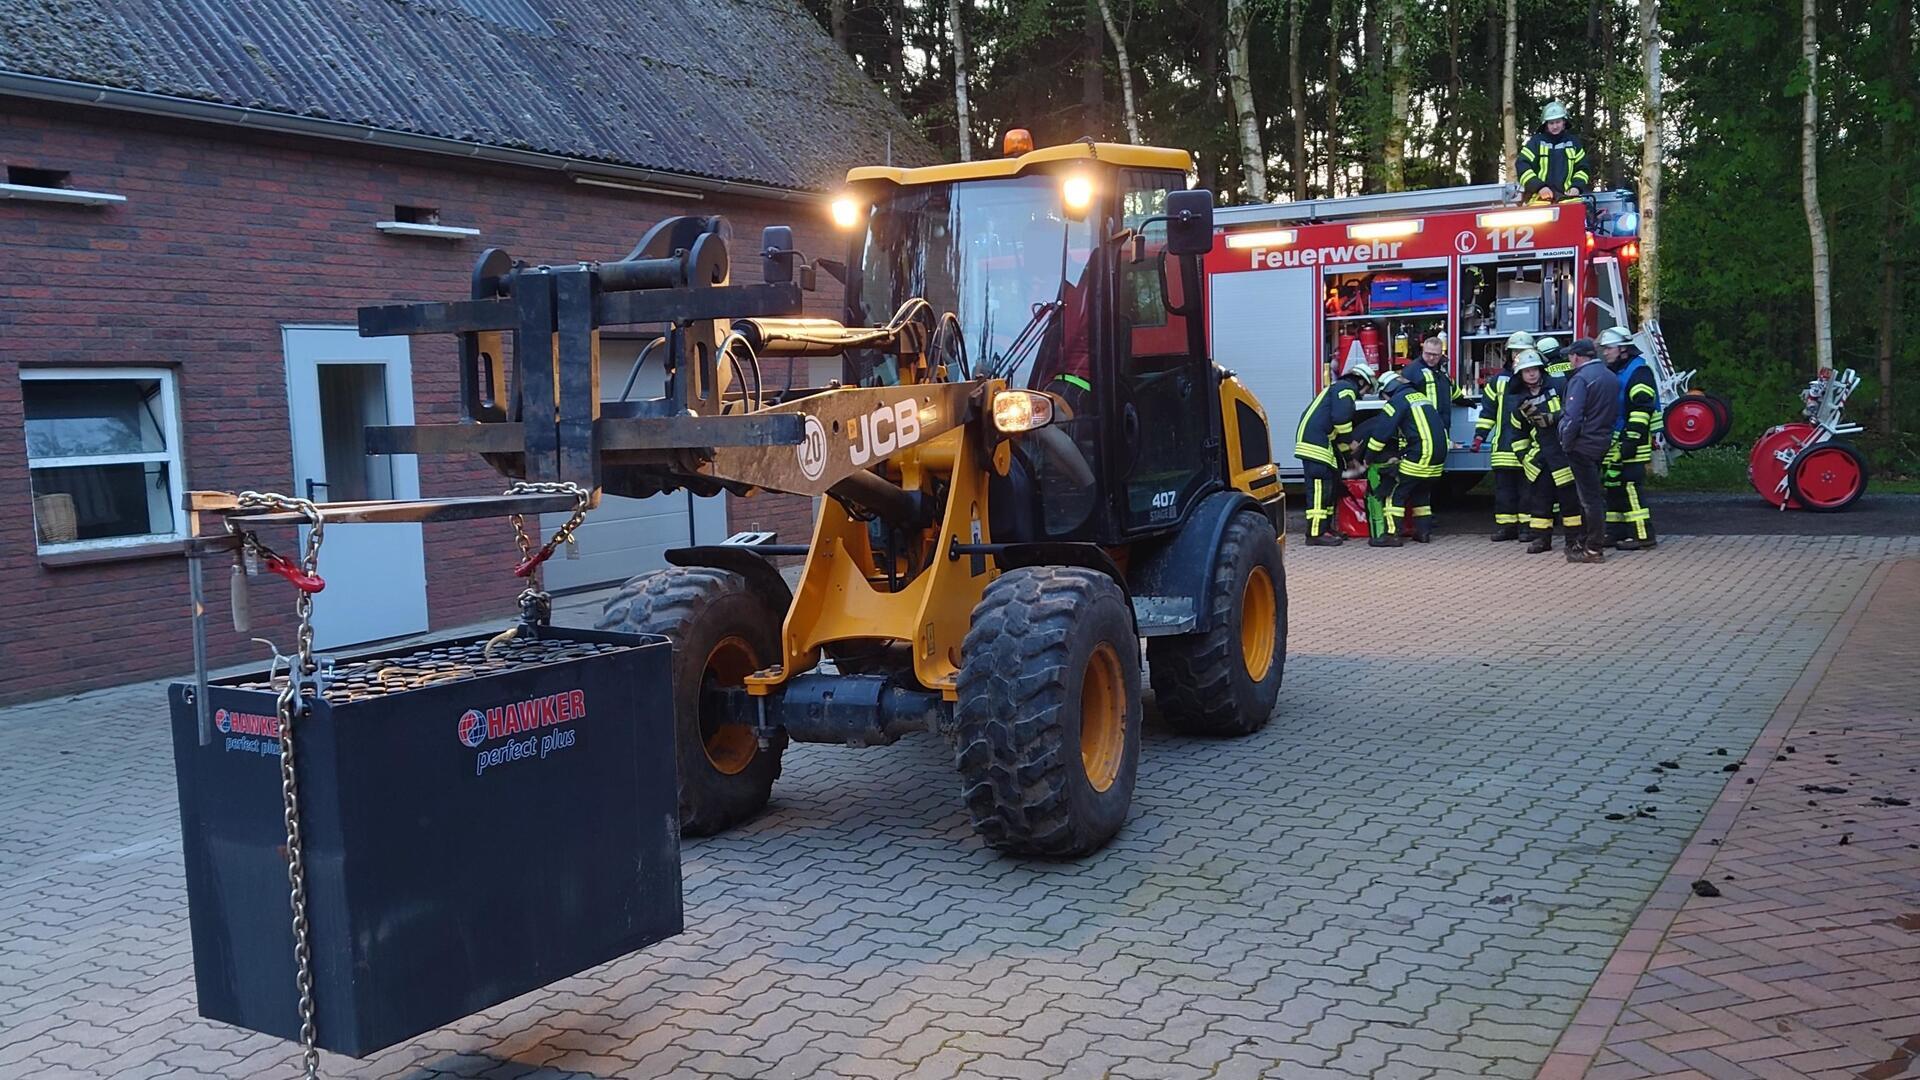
point(884, 430)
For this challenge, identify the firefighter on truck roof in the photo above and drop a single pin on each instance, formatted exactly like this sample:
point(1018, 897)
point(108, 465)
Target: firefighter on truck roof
point(1324, 443)
point(1553, 160)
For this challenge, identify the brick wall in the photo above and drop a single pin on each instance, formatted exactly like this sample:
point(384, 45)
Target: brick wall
point(225, 237)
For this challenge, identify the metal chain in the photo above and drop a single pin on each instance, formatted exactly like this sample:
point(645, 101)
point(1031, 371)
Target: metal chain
point(291, 702)
point(536, 605)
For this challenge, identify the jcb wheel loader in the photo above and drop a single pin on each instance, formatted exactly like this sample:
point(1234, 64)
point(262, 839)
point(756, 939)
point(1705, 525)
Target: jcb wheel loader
point(1029, 465)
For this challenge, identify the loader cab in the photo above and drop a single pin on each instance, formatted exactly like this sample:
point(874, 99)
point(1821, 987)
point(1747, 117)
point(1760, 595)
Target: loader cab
point(1058, 272)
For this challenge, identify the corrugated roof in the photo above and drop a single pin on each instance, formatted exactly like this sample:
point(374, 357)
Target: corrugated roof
point(734, 89)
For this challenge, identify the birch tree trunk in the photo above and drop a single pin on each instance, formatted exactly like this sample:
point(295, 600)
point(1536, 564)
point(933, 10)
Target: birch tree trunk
point(1126, 71)
point(837, 19)
point(960, 77)
point(1393, 153)
point(1650, 166)
point(1509, 135)
point(1253, 156)
point(1336, 43)
point(1373, 87)
point(1298, 79)
point(1810, 190)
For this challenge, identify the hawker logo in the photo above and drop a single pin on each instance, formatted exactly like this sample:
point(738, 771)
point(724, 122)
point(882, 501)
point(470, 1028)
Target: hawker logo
point(884, 430)
point(249, 733)
point(1274, 259)
point(812, 450)
point(473, 727)
point(518, 718)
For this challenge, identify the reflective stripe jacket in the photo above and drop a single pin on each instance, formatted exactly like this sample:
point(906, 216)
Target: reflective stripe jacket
point(1327, 424)
point(1434, 383)
point(1495, 425)
point(1408, 417)
point(1634, 440)
point(1543, 450)
point(1554, 161)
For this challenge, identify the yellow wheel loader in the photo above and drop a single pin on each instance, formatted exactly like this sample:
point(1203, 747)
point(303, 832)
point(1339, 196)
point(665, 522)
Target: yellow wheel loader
point(1028, 466)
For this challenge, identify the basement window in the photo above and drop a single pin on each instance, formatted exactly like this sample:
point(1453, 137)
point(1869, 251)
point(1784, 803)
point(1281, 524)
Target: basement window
point(103, 455)
point(26, 176)
point(423, 221)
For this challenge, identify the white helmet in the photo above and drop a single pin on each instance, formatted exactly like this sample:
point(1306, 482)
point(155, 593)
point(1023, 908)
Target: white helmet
point(1553, 111)
point(1360, 369)
point(1547, 345)
point(1528, 358)
point(1390, 380)
point(1519, 340)
point(1613, 335)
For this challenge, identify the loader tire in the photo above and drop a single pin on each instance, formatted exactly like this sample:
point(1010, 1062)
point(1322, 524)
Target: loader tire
point(1047, 728)
point(1225, 680)
point(721, 631)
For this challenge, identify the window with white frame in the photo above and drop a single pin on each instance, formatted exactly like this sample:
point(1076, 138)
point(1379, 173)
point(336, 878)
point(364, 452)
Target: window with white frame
point(103, 450)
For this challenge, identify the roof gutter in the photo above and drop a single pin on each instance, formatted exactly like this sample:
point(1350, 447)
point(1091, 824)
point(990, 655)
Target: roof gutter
point(42, 88)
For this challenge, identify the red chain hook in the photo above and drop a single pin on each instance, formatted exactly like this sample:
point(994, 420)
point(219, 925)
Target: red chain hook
point(287, 568)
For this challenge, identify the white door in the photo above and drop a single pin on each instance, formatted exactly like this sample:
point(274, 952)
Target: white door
point(339, 384)
point(1264, 323)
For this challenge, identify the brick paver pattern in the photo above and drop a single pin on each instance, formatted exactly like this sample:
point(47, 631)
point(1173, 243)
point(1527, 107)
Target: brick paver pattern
point(1409, 873)
point(1808, 962)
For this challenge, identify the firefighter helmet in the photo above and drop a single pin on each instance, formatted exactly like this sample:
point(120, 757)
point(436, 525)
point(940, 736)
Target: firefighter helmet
point(1553, 111)
point(1613, 335)
point(1359, 368)
point(1390, 381)
point(1547, 346)
point(1520, 339)
point(1528, 358)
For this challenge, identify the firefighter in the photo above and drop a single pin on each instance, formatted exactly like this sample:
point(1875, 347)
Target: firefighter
point(1558, 363)
point(1324, 443)
point(1629, 518)
point(1516, 342)
point(1407, 418)
point(1509, 442)
point(1553, 160)
point(1428, 372)
point(1548, 472)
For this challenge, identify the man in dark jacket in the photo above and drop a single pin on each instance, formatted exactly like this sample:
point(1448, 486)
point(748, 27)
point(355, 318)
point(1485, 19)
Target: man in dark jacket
point(1586, 431)
point(1553, 160)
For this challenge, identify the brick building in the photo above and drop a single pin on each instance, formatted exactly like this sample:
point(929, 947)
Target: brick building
point(198, 196)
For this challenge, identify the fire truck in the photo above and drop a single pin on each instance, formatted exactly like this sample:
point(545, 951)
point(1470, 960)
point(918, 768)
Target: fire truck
point(1296, 288)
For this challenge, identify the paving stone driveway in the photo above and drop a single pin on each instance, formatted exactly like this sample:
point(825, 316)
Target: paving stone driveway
point(1408, 874)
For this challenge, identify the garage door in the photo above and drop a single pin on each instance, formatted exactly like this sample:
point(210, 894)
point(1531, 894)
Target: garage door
point(624, 537)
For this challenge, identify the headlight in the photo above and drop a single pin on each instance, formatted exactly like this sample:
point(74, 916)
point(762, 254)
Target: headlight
point(1021, 410)
point(1077, 193)
point(846, 211)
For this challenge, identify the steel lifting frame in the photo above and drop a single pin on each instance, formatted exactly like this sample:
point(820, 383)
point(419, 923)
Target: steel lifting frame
point(676, 276)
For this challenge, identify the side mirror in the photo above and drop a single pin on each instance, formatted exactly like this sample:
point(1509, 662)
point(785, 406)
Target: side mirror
point(1190, 222)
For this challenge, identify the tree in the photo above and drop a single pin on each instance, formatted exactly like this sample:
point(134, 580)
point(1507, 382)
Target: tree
point(1509, 135)
point(1650, 165)
point(1253, 156)
point(1893, 126)
point(1810, 188)
point(1126, 71)
point(1393, 154)
point(961, 109)
point(1297, 82)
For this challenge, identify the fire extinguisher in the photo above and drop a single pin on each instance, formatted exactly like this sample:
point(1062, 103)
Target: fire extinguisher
point(1402, 346)
point(1370, 344)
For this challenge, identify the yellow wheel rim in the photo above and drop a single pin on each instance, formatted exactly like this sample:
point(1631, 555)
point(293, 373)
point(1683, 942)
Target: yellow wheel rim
point(730, 747)
point(1103, 718)
point(1257, 634)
